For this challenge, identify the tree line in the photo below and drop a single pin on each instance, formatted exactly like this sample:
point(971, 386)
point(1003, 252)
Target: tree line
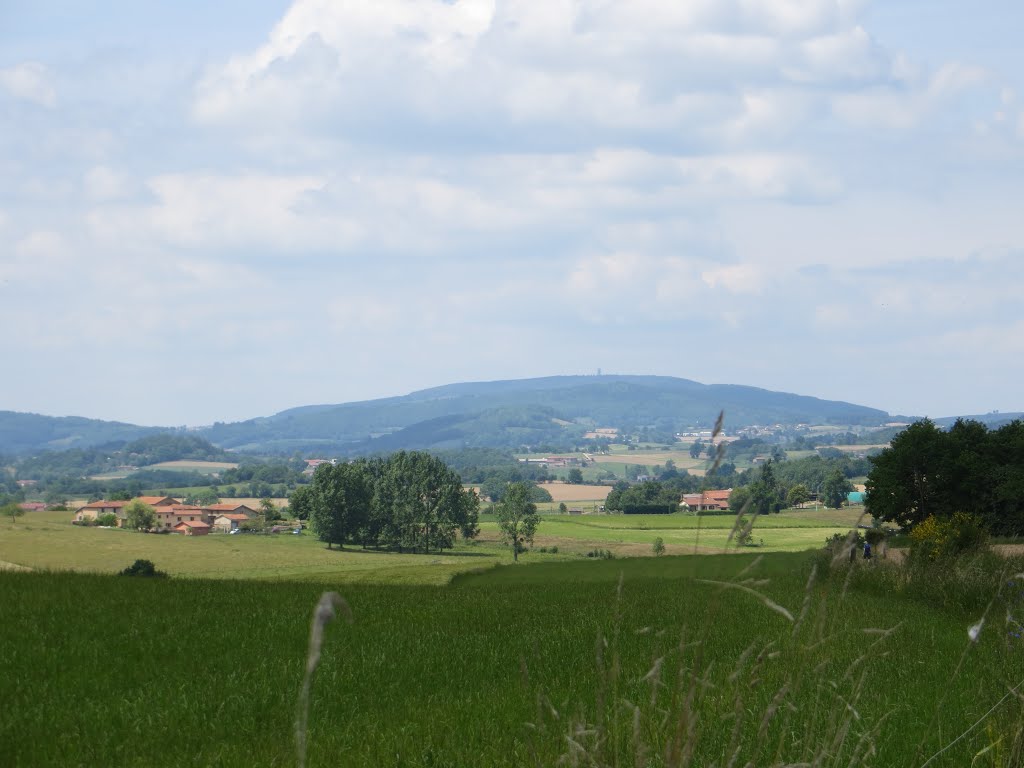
point(927, 471)
point(409, 501)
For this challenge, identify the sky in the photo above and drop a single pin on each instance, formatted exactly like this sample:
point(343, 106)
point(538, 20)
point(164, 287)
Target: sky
point(216, 211)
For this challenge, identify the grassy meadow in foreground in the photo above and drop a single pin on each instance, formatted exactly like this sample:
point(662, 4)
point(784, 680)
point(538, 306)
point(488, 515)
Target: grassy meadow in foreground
point(522, 665)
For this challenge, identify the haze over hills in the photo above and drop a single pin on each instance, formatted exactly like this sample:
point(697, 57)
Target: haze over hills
point(551, 410)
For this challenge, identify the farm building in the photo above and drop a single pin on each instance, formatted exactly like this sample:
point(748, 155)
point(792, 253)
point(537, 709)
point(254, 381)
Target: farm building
point(229, 522)
point(708, 500)
point(169, 517)
point(192, 528)
point(90, 512)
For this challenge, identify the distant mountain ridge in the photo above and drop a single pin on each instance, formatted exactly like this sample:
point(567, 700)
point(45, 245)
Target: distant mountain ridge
point(550, 410)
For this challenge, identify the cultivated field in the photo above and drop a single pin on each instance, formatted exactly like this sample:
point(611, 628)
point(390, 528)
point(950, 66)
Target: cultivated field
point(187, 465)
point(566, 492)
point(717, 659)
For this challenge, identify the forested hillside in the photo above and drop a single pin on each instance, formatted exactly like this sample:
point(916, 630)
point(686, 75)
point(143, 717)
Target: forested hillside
point(554, 412)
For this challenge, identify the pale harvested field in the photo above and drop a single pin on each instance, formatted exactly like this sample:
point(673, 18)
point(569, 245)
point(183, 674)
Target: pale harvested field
point(198, 466)
point(567, 492)
point(252, 502)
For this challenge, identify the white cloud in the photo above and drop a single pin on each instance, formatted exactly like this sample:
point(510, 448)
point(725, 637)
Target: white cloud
point(396, 71)
point(29, 81)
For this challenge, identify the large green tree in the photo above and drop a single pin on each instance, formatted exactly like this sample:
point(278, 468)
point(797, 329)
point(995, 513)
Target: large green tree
point(341, 502)
point(968, 468)
point(300, 502)
point(427, 504)
point(797, 495)
point(835, 489)
point(766, 495)
point(139, 516)
point(517, 518)
point(904, 485)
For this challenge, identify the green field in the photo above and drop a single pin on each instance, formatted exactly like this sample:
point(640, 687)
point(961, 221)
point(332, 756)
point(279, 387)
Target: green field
point(47, 540)
point(522, 665)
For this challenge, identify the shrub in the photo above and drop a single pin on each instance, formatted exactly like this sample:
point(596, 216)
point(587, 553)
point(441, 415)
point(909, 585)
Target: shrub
point(109, 519)
point(649, 509)
point(937, 539)
point(143, 568)
point(658, 546)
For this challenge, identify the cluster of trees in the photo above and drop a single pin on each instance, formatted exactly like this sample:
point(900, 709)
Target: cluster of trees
point(969, 469)
point(408, 501)
point(650, 497)
point(774, 491)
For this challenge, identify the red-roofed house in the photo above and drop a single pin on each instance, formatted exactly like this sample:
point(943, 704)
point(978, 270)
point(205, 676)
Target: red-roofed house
point(159, 501)
point(97, 508)
point(708, 500)
point(168, 517)
point(192, 528)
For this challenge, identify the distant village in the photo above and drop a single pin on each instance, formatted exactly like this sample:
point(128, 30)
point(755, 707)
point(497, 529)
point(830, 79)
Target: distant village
point(172, 515)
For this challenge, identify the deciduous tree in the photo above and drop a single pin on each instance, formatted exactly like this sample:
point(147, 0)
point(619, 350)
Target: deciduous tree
point(139, 516)
point(12, 510)
point(517, 518)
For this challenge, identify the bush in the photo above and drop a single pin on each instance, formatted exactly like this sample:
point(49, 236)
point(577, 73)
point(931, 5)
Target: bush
point(934, 539)
point(649, 509)
point(109, 519)
point(658, 546)
point(601, 554)
point(144, 568)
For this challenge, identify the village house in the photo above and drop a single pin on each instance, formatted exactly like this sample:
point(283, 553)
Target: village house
point(169, 517)
point(171, 513)
point(706, 501)
point(90, 512)
point(192, 528)
point(312, 464)
point(229, 522)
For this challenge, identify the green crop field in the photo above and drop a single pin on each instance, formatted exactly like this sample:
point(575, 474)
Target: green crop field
point(693, 661)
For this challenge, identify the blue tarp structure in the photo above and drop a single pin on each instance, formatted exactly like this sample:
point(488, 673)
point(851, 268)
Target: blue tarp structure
point(855, 497)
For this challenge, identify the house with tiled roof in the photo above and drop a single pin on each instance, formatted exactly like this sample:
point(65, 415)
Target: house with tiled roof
point(168, 517)
point(159, 501)
point(192, 528)
point(706, 500)
point(91, 511)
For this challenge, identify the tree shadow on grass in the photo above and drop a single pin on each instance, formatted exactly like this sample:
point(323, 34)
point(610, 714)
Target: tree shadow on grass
point(431, 554)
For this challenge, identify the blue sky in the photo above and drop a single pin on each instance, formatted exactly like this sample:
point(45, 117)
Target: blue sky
point(213, 211)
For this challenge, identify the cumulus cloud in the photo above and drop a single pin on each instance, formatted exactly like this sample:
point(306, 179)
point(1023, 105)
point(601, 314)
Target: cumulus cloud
point(409, 71)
